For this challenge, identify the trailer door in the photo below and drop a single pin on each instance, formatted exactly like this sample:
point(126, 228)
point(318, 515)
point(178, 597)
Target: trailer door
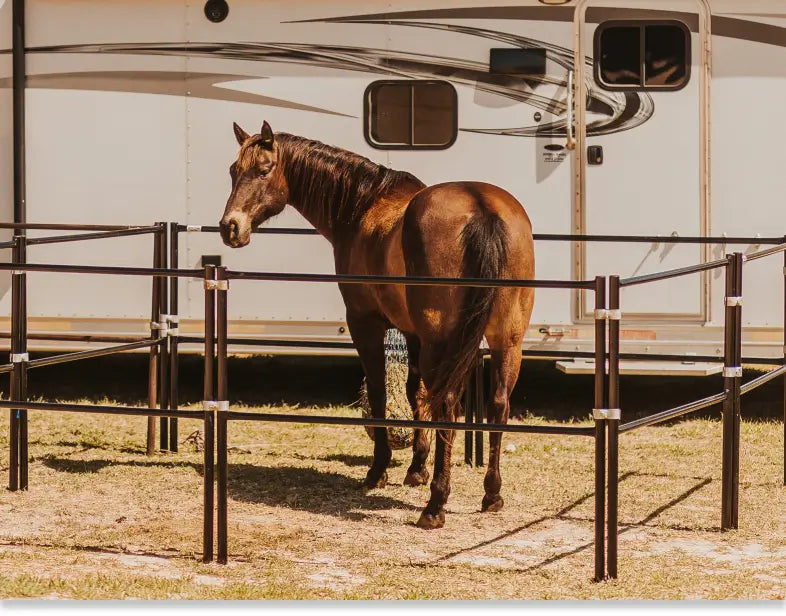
point(641, 99)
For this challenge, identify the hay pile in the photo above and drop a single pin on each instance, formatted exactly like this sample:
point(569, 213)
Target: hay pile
point(398, 407)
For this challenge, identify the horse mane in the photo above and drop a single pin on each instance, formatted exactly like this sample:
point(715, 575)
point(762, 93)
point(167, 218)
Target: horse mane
point(331, 184)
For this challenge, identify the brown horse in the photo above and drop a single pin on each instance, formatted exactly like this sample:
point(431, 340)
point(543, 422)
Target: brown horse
point(388, 223)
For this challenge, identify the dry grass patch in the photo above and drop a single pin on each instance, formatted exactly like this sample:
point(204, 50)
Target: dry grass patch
point(102, 520)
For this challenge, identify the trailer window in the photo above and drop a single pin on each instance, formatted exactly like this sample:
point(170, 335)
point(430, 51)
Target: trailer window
point(642, 55)
point(411, 115)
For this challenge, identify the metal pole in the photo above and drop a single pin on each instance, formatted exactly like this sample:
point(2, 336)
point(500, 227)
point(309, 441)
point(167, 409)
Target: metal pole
point(22, 367)
point(732, 375)
point(480, 410)
point(13, 435)
point(19, 85)
point(174, 321)
point(600, 429)
point(732, 378)
point(469, 418)
point(613, 424)
point(222, 409)
point(163, 362)
point(152, 377)
point(209, 417)
point(784, 359)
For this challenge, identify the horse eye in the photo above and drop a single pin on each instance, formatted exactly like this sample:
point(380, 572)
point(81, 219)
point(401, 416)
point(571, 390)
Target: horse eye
point(263, 173)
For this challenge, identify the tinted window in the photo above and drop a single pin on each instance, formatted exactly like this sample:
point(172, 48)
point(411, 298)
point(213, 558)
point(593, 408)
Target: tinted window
point(642, 55)
point(411, 114)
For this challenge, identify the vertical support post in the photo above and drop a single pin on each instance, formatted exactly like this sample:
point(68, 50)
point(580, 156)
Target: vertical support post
point(222, 409)
point(174, 322)
point(600, 402)
point(480, 410)
point(22, 367)
point(209, 417)
point(732, 380)
point(784, 361)
point(17, 447)
point(163, 363)
point(469, 418)
point(152, 375)
point(19, 85)
point(613, 425)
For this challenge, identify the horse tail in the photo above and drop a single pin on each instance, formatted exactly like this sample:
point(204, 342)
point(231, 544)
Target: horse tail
point(485, 240)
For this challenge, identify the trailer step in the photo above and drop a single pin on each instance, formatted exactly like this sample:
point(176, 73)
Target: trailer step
point(645, 367)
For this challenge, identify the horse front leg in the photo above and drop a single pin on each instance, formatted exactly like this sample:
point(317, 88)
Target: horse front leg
point(417, 474)
point(368, 335)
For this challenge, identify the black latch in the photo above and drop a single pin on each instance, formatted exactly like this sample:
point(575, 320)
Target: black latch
point(595, 155)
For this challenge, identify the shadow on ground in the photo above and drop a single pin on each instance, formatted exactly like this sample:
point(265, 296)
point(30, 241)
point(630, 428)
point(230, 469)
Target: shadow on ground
point(324, 381)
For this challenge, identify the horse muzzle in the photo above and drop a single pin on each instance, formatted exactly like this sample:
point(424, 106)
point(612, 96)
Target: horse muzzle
point(234, 232)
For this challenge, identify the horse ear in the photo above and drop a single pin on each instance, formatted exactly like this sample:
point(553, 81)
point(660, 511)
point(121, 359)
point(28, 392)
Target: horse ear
point(266, 136)
point(240, 134)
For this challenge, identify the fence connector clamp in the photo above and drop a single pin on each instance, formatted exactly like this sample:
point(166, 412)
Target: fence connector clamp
point(161, 327)
point(606, 414)
point(216, 285)
point(20, 358)
point(734, 301)
point(193, 228)
point(601, 314)
point(615, 314)
point(732, 372)
point(215, 405)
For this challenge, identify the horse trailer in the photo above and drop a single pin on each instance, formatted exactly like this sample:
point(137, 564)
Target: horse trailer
point(603, 117)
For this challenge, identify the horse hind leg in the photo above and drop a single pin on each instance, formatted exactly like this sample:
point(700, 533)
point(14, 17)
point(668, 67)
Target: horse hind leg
point(505, 366)
point(368, 334)
point(417, 474)
point(433, 515)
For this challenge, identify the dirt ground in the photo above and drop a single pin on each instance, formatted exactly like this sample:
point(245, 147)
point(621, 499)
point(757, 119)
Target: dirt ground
point(101, 520)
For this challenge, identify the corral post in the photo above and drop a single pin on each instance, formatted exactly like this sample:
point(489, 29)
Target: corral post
point(152, 378)
point(613, 422)
point(469, 418)
point(784, 360)
point(18, 463)
point(600, 428)
point(732, 380)
point(480, 409)
point(209, 416)
point(222, 407)
point(163, 322)
point(174, 323)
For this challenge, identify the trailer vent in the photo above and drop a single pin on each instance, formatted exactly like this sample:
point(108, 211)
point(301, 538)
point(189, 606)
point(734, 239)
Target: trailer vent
point(410, 115)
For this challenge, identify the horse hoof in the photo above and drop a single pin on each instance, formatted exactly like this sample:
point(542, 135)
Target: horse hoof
point(428, 521)
point(372, 484)
point(492, 504)
point(416, 478)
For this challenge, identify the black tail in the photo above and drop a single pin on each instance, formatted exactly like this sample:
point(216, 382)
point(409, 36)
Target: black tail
point(485, 240)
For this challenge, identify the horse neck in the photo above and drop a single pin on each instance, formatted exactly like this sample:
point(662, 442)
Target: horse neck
point(311, 177)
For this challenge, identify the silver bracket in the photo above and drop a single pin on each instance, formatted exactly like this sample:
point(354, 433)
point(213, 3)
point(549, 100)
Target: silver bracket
point(615, 315)
point(601, 314)
point(161, 327)
point(606, 414)
point(734, 301)
point(20, 358)
point(193, 228)
point(217, 285)
point(216, 405)
point(732, 372)
point(18, 272)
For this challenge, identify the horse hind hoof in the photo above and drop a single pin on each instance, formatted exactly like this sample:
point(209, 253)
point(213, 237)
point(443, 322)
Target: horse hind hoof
point(372, 484)
point(428, 521)
point(492, 503)
point(416, 478)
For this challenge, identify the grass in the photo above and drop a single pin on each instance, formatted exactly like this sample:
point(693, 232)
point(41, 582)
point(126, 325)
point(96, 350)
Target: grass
point(101, 520)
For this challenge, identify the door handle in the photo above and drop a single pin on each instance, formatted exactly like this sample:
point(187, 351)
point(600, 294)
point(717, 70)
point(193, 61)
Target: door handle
point(571, 144)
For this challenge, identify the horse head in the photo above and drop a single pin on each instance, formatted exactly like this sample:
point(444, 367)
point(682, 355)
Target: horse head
point(259, 188)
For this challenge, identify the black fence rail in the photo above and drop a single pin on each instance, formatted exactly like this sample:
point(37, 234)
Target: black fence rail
point(164, 341)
